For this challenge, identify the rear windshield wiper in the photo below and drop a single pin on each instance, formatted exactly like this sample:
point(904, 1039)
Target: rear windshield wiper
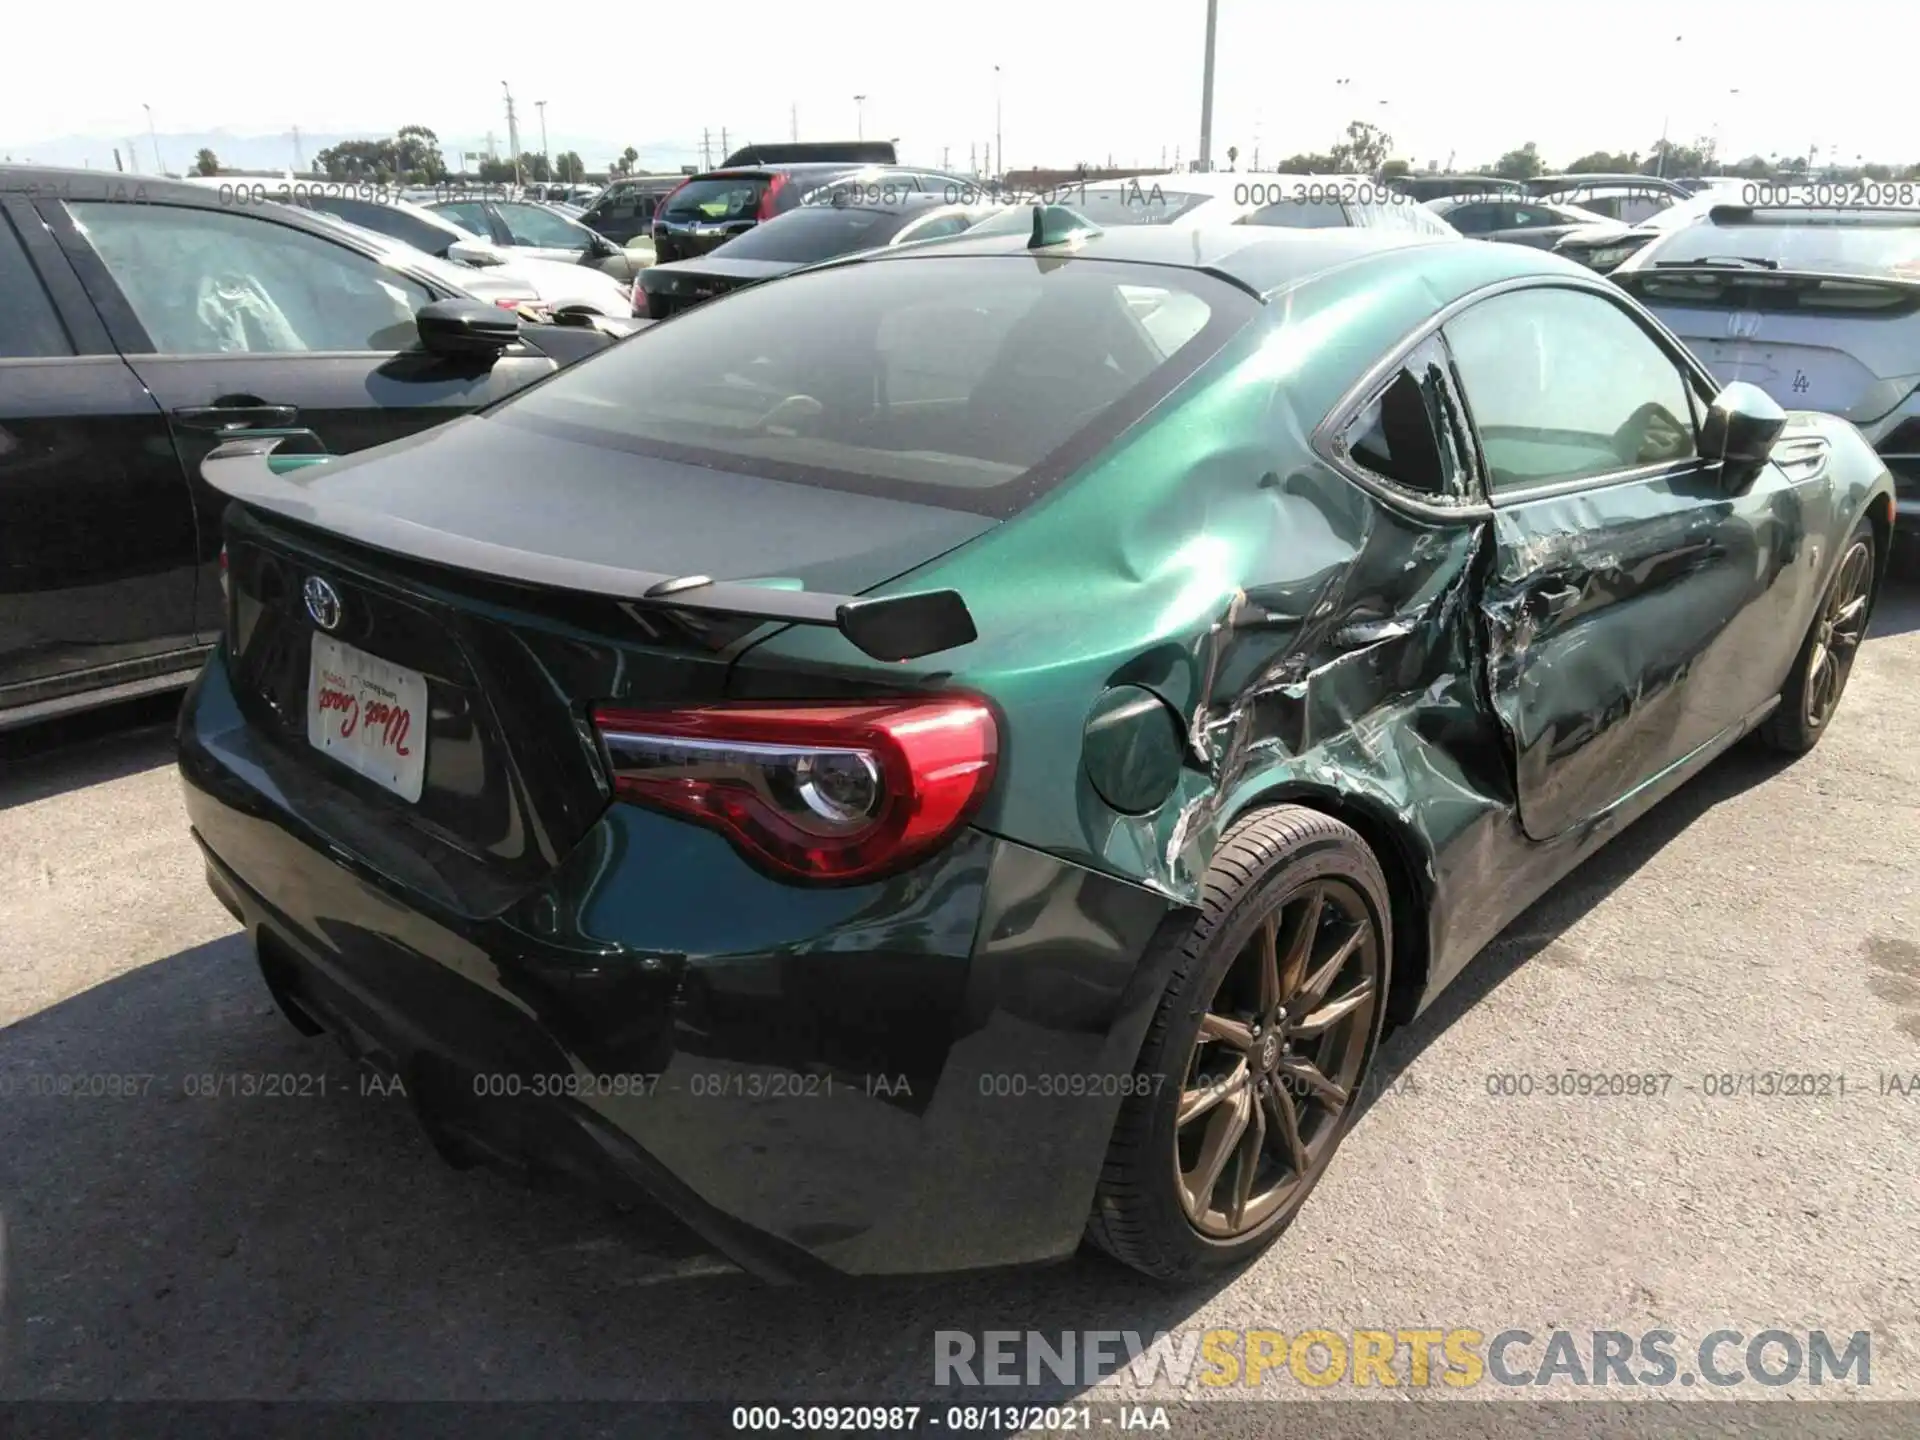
point(1721, 262)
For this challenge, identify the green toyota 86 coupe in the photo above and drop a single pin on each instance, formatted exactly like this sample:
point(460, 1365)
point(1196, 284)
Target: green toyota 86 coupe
point(963, 750)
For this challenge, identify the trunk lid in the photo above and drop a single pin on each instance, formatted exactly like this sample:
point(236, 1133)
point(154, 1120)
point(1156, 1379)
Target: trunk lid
point(1811, 341)
point(468, 556)
point(672, 288)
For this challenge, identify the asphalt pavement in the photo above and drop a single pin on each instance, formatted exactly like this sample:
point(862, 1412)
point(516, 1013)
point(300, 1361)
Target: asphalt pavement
point(158, 1241)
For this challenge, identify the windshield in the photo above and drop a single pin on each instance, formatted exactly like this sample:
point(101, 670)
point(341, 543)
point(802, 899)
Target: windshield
point(972, 382)
point(1847, 242)
point(814, 232)
point(716, 201)
point(1142, 203)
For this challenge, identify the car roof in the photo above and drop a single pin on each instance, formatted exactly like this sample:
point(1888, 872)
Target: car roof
point(1214, 182)
point(1255, 258)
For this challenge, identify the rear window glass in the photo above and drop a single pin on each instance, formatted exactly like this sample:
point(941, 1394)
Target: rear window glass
point(1132, 204)
point(814, 232)
point(1839, 241)
point(971, 382)
point(715, 201)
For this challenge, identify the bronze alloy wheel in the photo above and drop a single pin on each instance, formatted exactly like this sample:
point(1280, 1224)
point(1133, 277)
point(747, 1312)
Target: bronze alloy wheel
point(1277, 1056)
point(1819, 676)
point(1838, 632)
point(1275, 993)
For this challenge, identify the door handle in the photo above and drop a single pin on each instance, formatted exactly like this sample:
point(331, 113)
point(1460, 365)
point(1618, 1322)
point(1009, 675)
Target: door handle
point(1546, 604)
point(217, 418)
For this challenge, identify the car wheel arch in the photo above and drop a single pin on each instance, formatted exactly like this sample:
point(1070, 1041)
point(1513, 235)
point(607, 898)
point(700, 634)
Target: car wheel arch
point(1403, 858)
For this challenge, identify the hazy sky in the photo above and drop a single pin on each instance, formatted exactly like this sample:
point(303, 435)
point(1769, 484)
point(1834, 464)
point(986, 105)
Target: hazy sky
point(1079, 81)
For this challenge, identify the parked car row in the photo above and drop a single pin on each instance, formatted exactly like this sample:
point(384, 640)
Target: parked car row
point(140, 326)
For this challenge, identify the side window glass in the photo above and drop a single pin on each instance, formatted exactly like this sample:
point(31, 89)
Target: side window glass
point(212, 282)
point(30, 327)
point(530, 225)
point(1472, 219)
point(469, 215)
point(1411, 432)
point(1564, 385)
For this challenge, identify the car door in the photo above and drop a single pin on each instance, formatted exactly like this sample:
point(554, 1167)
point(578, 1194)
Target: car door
point(1635, 609)
point(535, 231)
point(1531, 223)
point(236, 320)
point(1479, 219)
point(97, 544)
point(623, 213)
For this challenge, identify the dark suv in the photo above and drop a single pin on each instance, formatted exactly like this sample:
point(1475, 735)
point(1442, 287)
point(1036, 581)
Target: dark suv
point(624, 210)
point(706, 211)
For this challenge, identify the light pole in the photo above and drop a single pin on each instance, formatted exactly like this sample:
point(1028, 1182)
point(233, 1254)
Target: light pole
point(1660, 167)
point(1206, 91)
point(999, 153)
point(513, 136)
point(154, 135)
point(860, 117)
point(541, 106)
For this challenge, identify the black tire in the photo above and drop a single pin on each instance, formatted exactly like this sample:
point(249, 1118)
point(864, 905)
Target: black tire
point(1265, 862)
point(1812, 694)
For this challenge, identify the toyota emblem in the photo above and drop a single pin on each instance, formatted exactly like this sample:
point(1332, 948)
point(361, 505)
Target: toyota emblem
point(323, 602)
point(1743, 324)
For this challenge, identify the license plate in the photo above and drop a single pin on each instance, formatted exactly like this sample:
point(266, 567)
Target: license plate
point(369, 714)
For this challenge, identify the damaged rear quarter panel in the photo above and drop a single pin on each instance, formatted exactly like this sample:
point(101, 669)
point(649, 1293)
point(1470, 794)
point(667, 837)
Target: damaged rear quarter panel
point(1309, 640)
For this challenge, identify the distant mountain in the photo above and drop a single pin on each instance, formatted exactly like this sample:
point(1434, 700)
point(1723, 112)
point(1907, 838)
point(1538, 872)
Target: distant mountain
point(276, 152)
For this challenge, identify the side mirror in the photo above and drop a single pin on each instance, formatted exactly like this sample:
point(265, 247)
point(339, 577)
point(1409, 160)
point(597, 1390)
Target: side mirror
point(466, 328)
point(476, 252)
point(1741, 426)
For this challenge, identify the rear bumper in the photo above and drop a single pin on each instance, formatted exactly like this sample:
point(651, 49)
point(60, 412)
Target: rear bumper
point(858, 1080)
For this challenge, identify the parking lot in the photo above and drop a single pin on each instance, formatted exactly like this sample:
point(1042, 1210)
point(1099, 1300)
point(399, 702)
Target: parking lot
point(169, 1243)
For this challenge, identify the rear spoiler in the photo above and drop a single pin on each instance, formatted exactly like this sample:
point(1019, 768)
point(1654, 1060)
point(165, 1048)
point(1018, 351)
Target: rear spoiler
point(886, 627)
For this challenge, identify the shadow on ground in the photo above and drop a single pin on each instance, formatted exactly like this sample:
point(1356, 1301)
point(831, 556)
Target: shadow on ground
point(158, 1240)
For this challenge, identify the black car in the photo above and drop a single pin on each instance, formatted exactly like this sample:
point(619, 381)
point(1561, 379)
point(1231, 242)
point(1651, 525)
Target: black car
point(624, 210)
point(142, 322)
point(1516, 221)
point(801, 237)
point(710, 209)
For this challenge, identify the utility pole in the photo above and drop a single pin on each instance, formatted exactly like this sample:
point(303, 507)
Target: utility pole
point(999, 140)
point(1163, 159)
point(973, 159)
point(541, 106)
point(860, 117)
point(1206, 91)
point(944, 151)
point(159, 165)
point(793, 122)
point(724, 151)
point(299, 160)
point(116, 161)
point(706, 149)
point(513, 136)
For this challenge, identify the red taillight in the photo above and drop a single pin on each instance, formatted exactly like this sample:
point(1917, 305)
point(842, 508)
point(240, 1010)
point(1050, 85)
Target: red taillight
point(823, 792)
point(771, 197)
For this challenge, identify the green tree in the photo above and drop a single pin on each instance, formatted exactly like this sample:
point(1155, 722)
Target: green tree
point(357, 160)
point(1308, 164)
point(206, 163)
point(1754, 167)
point(629, 158)
point(1392, 169)
point(1521, 164)
point(534, 167)
point(569, 166)
point(495, 172)
point(1674, 160)
point(1364, 150)
point(416, 155)
point(1602, 162)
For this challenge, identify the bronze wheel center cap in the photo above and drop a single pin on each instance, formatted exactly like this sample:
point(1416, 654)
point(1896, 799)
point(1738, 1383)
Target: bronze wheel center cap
point(1269, 1052)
